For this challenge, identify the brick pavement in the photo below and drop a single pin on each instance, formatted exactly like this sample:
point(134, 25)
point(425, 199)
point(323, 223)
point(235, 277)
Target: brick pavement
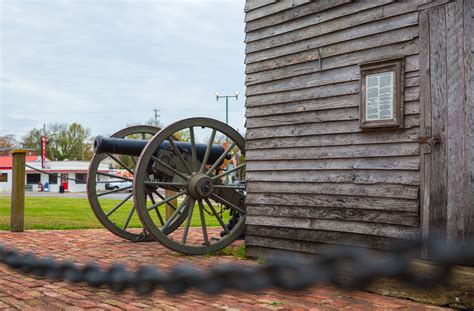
point(22, 292)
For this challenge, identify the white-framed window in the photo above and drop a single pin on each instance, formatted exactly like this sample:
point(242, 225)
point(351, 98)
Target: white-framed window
point(381, 90)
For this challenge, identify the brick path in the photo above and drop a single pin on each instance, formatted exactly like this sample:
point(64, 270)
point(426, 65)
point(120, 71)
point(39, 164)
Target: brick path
point(23, 292)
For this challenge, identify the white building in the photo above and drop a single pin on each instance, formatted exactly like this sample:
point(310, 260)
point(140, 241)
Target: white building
point(70, 174)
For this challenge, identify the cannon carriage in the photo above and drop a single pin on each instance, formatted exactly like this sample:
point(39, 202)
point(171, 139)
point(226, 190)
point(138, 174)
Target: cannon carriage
point(180, 179)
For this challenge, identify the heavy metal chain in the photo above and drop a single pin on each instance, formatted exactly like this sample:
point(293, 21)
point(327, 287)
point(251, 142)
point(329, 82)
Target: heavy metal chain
point(343, 267)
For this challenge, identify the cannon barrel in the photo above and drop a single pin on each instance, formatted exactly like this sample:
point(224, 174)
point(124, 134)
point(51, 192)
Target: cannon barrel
point(134, 147)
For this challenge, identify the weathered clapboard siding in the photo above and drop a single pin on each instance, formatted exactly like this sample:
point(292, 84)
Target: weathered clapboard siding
point(313, 175)
point(323, 91)
point(399, 35)
point(288, 15)
point(316, 104)
point(336, 152)
point(371, 16)
point(351, 33)
point(324, 77)
point(407, 48)
point(342, 114)
point(327, 76)
point(320, 128)
point(385, 163)
point(377, 229)
point(355, 176)
point(358, 214)
point(353, 202)
point(289, 249)
point(363, 138)
point(311, 21)
point(275, 7)
point(377, 190)
point(255, 4)
point(322, 236)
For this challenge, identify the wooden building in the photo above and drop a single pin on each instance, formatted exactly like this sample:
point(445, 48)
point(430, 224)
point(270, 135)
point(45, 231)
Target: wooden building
point(359, 122)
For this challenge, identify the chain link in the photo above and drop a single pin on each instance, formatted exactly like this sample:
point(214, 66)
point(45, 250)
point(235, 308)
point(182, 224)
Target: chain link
point(344, 267)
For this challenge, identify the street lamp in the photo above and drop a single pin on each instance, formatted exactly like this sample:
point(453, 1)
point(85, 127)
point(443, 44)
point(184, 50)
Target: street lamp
point(236, 96)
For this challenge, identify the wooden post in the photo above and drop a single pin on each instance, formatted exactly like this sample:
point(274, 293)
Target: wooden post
point(17, 223)
point(169, 210)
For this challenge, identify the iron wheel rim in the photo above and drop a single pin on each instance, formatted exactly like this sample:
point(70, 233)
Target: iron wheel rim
point(139, 186)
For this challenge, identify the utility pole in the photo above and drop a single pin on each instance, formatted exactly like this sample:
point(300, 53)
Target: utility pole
point(236, 96)
point(156, 115)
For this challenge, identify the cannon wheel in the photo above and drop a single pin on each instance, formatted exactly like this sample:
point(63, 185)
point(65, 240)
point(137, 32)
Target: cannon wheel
point(195, 204)
point(119, 229)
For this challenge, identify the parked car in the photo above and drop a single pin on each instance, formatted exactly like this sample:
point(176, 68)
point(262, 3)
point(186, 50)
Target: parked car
point(114, 185)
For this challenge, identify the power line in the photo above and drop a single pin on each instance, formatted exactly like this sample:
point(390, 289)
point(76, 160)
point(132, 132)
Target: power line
point(102, 112)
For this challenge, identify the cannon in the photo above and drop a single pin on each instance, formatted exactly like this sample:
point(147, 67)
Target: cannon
point(135, 147)
point(185, 179)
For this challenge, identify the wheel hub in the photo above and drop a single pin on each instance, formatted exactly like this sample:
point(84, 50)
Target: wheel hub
point(200, 186)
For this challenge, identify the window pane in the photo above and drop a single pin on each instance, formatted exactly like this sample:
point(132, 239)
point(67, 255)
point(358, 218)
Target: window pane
point(3, 177)
point(379, 96)
point(53, 179)
point(81, 178)
point(33, 179)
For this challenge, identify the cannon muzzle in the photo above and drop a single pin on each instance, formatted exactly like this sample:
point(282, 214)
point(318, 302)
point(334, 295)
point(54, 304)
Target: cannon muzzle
point(134, 147)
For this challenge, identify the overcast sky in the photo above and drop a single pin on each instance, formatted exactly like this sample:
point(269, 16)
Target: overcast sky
point(106, 64)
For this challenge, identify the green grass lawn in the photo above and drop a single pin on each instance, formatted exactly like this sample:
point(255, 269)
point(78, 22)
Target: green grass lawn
point(75, 213)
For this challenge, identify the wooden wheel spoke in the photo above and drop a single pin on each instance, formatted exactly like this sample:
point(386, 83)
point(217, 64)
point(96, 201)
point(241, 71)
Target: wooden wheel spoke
point(208, 151)
point(118, 205)
point(227, 203)
point(169, 184)
point(219, 218)
point(170, 198)
point(152, 199)
point(180, 156)
point(114, 176)
point(203, 223)
point(193, 149)
point(237, 168)
point(113, 191)
point(188, 220)
point(120, 162)
point(221, 158)
point(129, 217)
point(175, 213)
point(163, 198)
point(169, 167)
point(229, 187)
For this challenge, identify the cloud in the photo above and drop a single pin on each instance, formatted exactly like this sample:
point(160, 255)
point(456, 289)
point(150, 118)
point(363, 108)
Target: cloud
point(19, 126)
point(112, 57)
point(51, 94)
